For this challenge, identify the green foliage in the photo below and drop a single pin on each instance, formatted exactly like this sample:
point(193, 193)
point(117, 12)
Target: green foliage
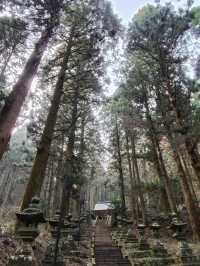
point(155, 28)
point(12, 33)
point(116, 202)
point(3, 93)
point(145, 14)
point(38, 13)
point(195, 12)
point(196, 112)
point(155, 91)
point(152, 185)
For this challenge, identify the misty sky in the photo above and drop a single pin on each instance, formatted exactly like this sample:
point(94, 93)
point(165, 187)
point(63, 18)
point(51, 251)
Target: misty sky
point(127, 8)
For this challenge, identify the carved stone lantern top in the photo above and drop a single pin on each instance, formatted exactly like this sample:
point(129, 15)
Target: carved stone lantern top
point(178, 227)
point(141, 226)
point(155, 226)
point(178, 224)
point(141, 229)
point(32, 215)
point(29, 219)
point(54, 221)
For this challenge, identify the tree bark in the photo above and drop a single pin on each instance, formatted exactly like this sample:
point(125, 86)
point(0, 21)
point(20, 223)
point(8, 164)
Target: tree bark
point(159, 162)
point(82, 138)
point(191, 152)
point(132, 181)
point(14, 102)
point(188, 198)
point(69, 155)
point(121, 176)
point(186, 170)
point(137, 175)
point(195, 158)
point(38, 170)
point(164, 203)
point(59, 174)
point(69, 172)
point(189, 201)
point(8, 188)
point(4, 182)
point(50, 189)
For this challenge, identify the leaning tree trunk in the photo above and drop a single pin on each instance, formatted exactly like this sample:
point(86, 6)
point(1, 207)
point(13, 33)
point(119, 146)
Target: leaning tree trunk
point(189, 201)
point(4, 182)
point(186, 170)
point(15, 100)
point(8, 190)
point(38, 170)
point(121, 176)
point(195, 157)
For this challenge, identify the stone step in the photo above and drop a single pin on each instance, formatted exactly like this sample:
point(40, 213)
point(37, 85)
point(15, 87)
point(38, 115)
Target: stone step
point(106, 252)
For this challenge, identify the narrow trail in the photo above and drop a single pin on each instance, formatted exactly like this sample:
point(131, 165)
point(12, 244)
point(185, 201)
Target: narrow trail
point(106, 252)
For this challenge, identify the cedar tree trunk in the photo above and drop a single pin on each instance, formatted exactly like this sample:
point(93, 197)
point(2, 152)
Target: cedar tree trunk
point(15, 100)
point(38, 170)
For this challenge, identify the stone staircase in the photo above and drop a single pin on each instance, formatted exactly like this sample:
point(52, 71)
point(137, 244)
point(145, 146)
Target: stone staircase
point(105, 252)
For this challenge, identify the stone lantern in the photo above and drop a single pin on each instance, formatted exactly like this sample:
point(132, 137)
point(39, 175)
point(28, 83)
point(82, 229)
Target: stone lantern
point(185, 252)
point(50, 255)
point(143, 245)
point(178, 228)
point(71, 235)
point(66, 226)
point(29, 219)
point(27, 231)
point(50, 251)
point(186, 255)
point(54, 223)
point(67, 244)
point(23, 256)
point(155, 227)
point(141, 229)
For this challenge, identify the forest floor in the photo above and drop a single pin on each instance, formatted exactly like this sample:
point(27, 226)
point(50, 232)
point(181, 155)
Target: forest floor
point(9, 245)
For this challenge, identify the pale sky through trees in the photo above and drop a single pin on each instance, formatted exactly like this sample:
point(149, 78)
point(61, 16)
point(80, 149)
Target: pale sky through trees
point(127, 8)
